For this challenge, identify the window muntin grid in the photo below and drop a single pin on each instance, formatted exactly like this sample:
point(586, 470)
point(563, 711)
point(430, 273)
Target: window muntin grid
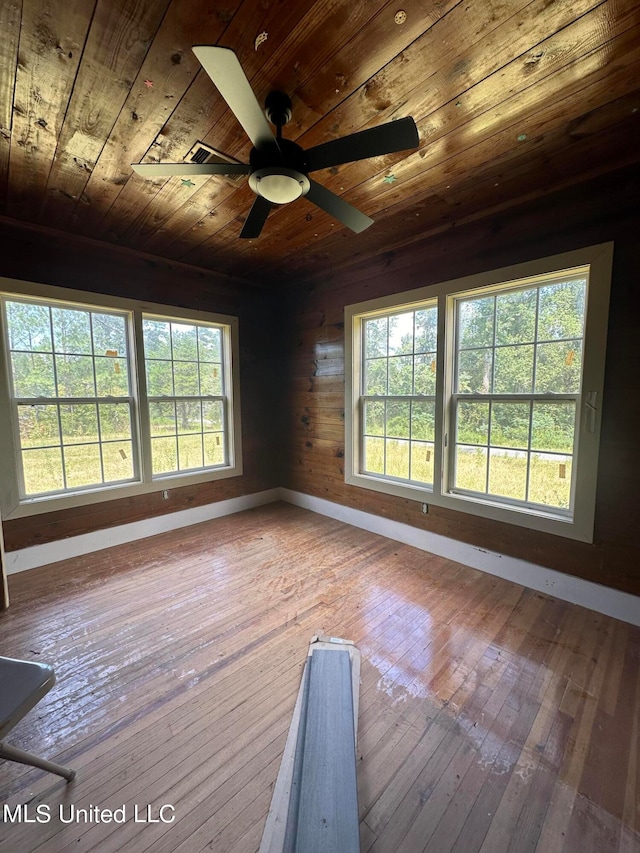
point(518, 373)
point(398, 394)
point(186, 390)
point(70, 386)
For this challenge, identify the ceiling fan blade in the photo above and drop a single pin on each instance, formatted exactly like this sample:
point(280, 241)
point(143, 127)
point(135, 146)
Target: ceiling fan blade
point(166, 170)
point(222, 65)
point(373, 142)
point(338, 208)
point(256, 218)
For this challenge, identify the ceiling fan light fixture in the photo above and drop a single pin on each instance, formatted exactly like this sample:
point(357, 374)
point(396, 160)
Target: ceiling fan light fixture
point(278, 184)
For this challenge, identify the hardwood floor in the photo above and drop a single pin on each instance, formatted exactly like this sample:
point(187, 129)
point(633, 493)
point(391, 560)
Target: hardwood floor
point(492, 718)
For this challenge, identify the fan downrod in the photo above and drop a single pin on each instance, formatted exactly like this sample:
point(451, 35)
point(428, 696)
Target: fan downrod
point(277, 107)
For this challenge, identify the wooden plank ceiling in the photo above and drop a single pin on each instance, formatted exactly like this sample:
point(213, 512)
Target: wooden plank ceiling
point(512, 99)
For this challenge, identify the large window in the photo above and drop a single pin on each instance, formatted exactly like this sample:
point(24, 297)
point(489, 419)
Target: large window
point(483, 394)
point(109, 399)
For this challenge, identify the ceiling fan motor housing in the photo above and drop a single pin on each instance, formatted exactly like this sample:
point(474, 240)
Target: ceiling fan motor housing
point(279, 174)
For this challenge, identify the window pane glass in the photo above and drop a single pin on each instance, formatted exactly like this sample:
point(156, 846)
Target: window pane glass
point(561, 312)
point(550, 480)
point(71, 331)
point(374, 417)
point(157, 339)
point(398, 418)
point(508, 474)
point(82, 465)
point(42, 470)
point(425, 374)
point(475, 371)
point(112, 379)
point(516, 317)
point(212, 415)
point(117, 460)
point(401, 334)
point(559, 367)
point(214, 448)
point(33, 375)
point(38, 426)
point(471, 468)
point(211, 379)
point(375, 338)
point(115, 421)
point(159, 379)
point(29, 327)
point(185, 342)
point(553, 426)
point(75, 376)
point(475, 322)
point(164, 453)
point(209, 344)
point(162, 417)
point(374, 455)
point(426, 330)
point(400, 375)
point(422, 456)
point(423, 420)
point(185, 378)
point(397, 462)
point(514, 370)
point(473, 422)
point(79, 424)
point(109, 335)
point(188, 416)
point(190, 452)
point(375, 376)
point(510, 424)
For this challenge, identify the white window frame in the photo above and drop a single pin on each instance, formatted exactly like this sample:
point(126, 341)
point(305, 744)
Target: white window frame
point(593, 261)
point(13, 506)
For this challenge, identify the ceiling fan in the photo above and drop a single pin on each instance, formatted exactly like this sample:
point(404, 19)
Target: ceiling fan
point(278, 168)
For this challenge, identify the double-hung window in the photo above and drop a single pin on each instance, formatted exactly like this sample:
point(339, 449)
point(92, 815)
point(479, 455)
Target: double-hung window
point(484, 394)
point(106, 398)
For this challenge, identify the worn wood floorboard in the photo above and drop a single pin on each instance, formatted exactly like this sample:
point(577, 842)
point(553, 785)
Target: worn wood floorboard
point(492, 718)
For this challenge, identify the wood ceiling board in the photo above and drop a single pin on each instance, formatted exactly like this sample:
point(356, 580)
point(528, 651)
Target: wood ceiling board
point(50, 50)
point(305, 54)
point(453, 169)
point(364, 258)
point(116, 45)
point(171, 68)
point(477, 63)
point(364, 37)
point(10, 16)
point(512, 66)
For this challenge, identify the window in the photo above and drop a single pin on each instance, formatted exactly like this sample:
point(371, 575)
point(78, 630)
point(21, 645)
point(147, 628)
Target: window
point(185, 389)
point(112, 399)
point(398, 399)
point(483, 394)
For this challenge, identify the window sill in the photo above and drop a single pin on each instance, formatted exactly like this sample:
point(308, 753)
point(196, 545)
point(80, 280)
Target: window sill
point(39, 506)
point(546, 522)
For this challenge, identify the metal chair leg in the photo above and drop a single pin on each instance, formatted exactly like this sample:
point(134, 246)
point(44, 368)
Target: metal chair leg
point(12, 753)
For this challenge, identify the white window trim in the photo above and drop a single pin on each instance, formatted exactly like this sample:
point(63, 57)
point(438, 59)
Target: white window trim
point(599, 260)
point(10, 502)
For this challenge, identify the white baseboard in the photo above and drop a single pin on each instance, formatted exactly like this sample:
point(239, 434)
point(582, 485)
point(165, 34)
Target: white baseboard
point(86, 543)
point(602, 599)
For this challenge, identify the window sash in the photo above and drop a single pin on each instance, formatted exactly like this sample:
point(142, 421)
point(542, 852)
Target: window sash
point(15, 501)
point(575, 521)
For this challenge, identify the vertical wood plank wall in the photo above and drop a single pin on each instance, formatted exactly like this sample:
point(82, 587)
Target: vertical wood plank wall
point(601, 210)
point(39, 256)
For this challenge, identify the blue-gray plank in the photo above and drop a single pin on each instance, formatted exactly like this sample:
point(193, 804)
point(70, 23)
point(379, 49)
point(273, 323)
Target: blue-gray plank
point(328, 799)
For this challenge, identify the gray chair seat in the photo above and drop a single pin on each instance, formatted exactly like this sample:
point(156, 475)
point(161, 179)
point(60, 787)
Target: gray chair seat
point(22, 685)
